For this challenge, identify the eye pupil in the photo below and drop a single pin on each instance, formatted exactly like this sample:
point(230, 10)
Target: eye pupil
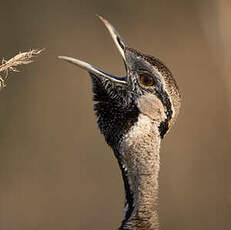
point(146, 79)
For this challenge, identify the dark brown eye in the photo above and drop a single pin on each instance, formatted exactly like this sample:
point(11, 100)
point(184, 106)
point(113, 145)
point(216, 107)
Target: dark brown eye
point(146, 79)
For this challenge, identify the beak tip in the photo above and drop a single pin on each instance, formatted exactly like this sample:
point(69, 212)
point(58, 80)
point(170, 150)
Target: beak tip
point(102, 19)
point(65, 58)
point(100, 16)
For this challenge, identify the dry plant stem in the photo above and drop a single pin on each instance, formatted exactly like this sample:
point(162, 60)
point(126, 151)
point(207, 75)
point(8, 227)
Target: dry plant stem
point(10, 65)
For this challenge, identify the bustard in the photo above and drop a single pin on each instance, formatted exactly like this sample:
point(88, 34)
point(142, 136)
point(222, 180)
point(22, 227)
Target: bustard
point(134, 113)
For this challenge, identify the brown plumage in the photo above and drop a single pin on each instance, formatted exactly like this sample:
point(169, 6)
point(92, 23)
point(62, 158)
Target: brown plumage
point(134, 113)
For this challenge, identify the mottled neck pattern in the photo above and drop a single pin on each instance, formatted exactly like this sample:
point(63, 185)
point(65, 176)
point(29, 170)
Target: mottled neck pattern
point(140, 163)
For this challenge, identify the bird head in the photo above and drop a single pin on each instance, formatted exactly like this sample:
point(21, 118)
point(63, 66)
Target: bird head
point(148, 88)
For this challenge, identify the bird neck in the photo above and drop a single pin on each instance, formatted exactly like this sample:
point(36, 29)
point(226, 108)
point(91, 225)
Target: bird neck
point(139, 162)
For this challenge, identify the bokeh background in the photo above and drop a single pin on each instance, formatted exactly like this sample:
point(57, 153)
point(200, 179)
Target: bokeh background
point(56, 172)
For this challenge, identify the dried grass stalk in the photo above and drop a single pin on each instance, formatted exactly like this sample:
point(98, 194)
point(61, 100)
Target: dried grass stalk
point(10, 65)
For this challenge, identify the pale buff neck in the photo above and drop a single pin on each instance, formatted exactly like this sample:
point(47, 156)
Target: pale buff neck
point(140, 158)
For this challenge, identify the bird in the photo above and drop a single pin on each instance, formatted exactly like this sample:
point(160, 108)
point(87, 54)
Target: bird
point(134, 113)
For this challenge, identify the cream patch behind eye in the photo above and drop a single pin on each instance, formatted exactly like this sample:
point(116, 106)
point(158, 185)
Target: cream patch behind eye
point(152, 107)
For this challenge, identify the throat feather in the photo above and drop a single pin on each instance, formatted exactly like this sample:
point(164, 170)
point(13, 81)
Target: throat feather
point(139, 154)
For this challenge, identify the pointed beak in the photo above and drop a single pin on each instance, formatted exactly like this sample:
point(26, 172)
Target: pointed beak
point(120, 44)
point(94, 70)
point(118, 40)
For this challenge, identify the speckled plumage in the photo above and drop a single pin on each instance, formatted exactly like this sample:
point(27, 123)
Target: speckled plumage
point(134, 114)
point(130, 119)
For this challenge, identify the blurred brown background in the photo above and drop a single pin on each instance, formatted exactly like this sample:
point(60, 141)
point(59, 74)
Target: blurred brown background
point(56, 172)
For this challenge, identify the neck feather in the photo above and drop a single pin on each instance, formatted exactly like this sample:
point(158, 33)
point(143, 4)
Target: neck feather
point(139, 162)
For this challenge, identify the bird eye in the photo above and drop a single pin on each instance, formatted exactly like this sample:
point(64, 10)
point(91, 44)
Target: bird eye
point(146, 79)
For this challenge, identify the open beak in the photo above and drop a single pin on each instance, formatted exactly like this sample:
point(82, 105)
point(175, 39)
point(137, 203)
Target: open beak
point(120, 44)
point(118, 40)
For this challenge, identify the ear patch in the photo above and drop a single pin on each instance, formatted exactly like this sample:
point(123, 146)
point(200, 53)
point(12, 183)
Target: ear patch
point(152, 107)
